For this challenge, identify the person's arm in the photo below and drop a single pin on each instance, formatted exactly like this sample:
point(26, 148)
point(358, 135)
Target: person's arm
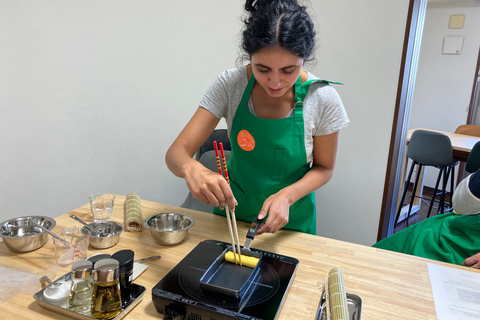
point(278, 205)
point(472, 262)
point(204, 184)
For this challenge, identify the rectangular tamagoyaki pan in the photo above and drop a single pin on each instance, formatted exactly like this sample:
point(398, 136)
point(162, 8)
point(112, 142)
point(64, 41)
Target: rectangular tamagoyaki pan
point(232, 279)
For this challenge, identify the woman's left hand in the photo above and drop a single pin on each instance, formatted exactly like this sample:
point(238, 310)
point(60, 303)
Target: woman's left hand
point(278, 209)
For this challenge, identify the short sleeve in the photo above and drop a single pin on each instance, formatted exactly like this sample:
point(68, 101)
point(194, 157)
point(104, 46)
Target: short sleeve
point(216, 99)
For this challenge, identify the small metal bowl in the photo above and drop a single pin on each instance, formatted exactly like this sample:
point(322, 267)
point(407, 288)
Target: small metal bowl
point(112, 231)
point(21, 235)
point(169, 228)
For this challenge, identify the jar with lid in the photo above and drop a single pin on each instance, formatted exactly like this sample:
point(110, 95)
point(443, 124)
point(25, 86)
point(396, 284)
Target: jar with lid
point(125, 260)
point(106, 297)
point(81, 287)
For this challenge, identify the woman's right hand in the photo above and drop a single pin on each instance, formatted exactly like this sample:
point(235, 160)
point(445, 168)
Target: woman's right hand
point(208, 186)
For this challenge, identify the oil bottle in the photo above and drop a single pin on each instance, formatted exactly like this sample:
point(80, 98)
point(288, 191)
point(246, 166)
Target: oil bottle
point(106, 297)
point(81, 287)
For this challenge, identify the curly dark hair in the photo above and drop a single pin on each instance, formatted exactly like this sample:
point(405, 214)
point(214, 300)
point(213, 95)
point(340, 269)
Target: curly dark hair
point(278, 23)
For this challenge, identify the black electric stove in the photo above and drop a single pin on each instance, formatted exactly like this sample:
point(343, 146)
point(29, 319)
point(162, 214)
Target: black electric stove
point(179, 296)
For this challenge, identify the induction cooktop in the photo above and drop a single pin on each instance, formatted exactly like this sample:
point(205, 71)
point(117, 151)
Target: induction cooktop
point(179, 295)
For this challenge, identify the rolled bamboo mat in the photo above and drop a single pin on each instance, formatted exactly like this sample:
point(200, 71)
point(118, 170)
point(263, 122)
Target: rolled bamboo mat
point(337, 295)
point(133, 213)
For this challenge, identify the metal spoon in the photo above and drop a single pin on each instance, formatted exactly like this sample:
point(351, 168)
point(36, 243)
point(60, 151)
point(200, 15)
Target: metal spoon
point(65, 242)
point(50, 282)
point(89, 227)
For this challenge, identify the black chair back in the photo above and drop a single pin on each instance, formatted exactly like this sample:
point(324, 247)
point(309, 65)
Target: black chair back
point(219, 135)
point(430, 148)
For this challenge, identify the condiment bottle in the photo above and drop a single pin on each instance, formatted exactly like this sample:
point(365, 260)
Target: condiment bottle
point(106, 297)
point(125, 259)
point(81, 288)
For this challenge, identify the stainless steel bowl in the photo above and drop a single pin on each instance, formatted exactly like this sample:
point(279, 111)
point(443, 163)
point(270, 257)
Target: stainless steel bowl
point(21, 235)
point(112, 231)
point(169, 228)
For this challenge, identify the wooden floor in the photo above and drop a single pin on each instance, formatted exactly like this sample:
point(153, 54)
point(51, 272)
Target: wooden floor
point(422, 213)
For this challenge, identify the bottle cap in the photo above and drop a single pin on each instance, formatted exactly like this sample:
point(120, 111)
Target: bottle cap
point(97, 257)
point(82, 269)
point(106, 270)
point(125, 260)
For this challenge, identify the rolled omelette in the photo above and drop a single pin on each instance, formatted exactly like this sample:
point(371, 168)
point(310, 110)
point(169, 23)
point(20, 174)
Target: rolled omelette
point(247, 261)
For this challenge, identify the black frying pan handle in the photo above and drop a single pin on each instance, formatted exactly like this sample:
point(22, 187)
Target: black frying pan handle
point(252, 230)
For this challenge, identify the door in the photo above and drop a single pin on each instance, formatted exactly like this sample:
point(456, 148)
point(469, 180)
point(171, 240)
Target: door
point(474, 114)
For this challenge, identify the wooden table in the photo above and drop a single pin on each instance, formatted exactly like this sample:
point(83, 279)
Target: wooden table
point(391, 285)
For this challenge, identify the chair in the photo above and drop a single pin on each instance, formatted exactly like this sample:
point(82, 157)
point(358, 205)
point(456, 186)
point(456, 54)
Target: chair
point(219, 135)
point(473, 160)
point(468, 129)
point(428, 148)
point(206, 156)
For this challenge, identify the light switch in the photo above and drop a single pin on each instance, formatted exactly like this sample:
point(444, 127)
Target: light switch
point(456, 21)
point(452, 45)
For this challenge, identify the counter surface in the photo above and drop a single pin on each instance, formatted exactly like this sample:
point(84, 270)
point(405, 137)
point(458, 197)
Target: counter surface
point(391, 285)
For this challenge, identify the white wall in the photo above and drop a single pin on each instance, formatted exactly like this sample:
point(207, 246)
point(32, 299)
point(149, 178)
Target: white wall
point(444, 82)
point(92, 93)
point(361, 45)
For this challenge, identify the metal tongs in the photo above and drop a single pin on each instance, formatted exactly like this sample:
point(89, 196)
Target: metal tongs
point(89, 227)
point(232, 222)
point(65, 242)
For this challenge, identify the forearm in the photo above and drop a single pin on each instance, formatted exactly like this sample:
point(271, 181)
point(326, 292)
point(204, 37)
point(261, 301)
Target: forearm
point(315, 178)
point(179, 157)
point(324, 156)
point(179, 161)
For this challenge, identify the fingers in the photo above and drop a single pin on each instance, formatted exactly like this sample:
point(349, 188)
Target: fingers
point(277, 217)
point(466, 263)
point(211, 188)
point(473, 261)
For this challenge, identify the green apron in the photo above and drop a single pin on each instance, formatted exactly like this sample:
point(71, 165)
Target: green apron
point(268, 155)
point(447, 237)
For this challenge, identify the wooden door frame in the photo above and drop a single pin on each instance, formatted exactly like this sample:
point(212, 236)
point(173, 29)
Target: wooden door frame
point(403, 103)
point(473, 98)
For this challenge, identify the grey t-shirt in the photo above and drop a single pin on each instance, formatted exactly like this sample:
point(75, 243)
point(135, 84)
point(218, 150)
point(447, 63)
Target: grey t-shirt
point(323, 111)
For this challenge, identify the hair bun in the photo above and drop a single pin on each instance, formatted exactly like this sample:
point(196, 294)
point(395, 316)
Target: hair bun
point(254, 5)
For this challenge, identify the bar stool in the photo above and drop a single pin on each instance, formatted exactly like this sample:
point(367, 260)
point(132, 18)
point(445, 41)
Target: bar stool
point(434, 149)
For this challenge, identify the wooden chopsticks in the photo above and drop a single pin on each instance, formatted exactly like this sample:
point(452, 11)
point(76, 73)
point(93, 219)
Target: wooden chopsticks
point(232, 223)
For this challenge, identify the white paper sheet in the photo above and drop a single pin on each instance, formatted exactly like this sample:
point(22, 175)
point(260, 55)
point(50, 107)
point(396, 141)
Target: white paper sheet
point(456, 292)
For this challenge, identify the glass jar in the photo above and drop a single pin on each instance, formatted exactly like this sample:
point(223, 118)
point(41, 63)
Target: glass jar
point(106, 297)
point(81, 287)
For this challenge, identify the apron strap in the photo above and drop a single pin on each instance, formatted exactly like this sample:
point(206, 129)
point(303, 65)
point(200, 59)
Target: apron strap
point(302, 89)
point(248, 90)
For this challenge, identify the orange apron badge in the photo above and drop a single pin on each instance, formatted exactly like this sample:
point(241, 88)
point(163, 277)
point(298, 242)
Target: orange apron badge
point(245, 140)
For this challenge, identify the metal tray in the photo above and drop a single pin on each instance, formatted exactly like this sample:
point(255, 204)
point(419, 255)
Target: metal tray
point(137, 296)
point(354, 303)
point(229, 278)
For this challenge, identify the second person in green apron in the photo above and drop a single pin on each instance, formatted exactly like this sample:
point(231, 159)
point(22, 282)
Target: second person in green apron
point(283, 125)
